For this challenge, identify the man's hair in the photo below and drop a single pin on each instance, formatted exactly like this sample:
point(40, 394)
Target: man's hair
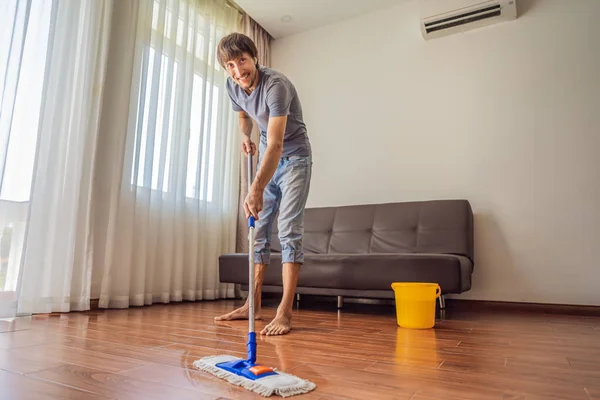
point(233, 45)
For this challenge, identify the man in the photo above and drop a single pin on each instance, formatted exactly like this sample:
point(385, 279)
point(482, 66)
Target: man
point(284, 168)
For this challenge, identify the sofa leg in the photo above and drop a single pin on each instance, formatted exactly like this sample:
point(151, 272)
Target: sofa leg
point(340, 301)
point(442, 302)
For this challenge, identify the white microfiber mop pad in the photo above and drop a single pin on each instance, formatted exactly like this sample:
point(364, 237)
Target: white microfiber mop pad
point(282, 384)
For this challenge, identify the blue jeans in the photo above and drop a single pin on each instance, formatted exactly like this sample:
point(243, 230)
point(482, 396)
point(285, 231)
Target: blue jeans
point(285, 193)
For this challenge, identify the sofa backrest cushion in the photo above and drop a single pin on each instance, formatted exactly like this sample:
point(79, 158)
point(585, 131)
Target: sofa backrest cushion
point(435, 226)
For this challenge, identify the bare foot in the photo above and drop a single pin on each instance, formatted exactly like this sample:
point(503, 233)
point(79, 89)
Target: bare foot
point(280, 325)
point(240, 313)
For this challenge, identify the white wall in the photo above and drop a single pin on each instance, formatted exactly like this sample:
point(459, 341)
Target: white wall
point(507, 117)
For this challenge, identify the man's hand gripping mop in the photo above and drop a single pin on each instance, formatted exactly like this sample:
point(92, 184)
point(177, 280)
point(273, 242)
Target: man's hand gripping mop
point(247, 373)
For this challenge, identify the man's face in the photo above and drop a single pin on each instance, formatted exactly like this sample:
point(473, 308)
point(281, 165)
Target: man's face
point(242, 70)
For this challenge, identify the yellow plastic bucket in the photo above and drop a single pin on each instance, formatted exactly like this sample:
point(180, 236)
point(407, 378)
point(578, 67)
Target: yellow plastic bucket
point(415, 304)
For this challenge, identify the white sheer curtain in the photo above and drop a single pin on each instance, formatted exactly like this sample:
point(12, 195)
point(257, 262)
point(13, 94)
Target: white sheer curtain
point(167, 197)
point(24, 30)
point(52, 57)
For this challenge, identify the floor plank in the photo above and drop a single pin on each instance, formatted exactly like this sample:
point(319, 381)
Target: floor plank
point(113, 385)
point(15, 386)
point(354, 353)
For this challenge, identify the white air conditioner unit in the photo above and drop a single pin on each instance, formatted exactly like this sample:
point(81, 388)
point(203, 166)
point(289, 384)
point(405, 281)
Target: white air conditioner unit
point(445, 17)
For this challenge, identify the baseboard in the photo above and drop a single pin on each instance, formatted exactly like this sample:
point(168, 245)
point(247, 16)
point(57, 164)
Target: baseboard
point(468, 304)
point(458, 304)
point(546, 308)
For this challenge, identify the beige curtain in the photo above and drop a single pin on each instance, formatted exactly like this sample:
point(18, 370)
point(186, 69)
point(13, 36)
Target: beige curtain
point(262, 39)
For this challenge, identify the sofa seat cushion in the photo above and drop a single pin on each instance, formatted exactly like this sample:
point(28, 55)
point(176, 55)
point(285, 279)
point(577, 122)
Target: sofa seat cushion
point(371, 271)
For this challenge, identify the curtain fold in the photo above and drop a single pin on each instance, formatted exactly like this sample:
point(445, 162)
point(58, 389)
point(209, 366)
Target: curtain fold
point(262, 39)
point(166, 199)
point(56, 266)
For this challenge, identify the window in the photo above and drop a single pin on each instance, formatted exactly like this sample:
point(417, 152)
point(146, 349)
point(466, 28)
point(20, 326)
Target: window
point(174, 120)
point(24, 33)
point(23, 47)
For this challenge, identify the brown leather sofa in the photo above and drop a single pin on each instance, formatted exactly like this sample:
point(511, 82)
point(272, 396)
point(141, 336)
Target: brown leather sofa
point(359, 250)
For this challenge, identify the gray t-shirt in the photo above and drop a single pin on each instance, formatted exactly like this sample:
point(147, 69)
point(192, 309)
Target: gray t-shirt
point(274, 96)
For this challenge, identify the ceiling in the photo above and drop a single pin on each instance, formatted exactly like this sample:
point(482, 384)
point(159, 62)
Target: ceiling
point(307, 14)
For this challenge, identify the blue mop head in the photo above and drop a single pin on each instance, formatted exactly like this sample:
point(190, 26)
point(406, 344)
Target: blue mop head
point(258, 378)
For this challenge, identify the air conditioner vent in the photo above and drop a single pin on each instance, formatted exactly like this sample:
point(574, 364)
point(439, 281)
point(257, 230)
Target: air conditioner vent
point(444, 17)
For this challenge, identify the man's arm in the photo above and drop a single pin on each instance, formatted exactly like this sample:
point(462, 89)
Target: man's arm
point(275, 133)
point(245, 125)
point(246, 129)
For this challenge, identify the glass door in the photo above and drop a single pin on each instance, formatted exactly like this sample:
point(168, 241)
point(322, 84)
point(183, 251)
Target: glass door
point(13, 219)
point(24, 33)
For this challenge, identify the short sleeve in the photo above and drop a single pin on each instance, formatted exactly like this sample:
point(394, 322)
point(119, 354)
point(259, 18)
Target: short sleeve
point(279, 98)
point(234, 105)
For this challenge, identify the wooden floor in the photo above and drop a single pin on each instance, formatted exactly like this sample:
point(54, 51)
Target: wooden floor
point(356, 353)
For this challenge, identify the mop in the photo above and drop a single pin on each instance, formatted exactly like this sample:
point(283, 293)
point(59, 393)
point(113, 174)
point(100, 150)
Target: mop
point(258, 378)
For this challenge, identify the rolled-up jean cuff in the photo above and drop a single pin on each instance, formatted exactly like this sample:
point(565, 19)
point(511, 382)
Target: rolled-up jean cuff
point(262, 258)
point(292, 256)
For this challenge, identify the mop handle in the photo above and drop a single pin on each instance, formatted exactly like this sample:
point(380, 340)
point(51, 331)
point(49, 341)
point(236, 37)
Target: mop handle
point(251, 345)
point(250, 254)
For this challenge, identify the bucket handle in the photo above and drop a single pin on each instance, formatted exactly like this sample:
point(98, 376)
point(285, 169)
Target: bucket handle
point(438, 291)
